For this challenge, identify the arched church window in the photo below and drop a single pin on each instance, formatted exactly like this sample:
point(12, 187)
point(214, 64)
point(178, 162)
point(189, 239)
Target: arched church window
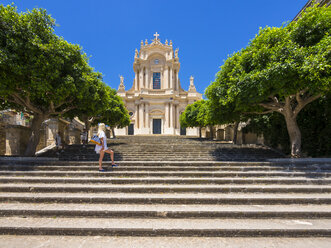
point(156, 80)
point(156, 61)
point(131, 113)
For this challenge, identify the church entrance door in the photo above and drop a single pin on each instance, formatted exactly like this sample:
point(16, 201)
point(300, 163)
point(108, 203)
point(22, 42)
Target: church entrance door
point(156, 126)
point(131, 129)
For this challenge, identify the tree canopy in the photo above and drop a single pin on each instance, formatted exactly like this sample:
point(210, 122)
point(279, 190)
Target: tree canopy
point(282, 69)
point(43, 74)
point(196, 114)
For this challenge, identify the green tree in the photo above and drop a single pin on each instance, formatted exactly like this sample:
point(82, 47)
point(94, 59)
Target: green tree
point(281, 70)
point(103, 106)
point(96, 102)
point(116, 115)
point(315, 126)
point(196, 114)
point(40, 73)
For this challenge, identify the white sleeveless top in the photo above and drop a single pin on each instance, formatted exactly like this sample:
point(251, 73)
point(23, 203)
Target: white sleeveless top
point(97, 147)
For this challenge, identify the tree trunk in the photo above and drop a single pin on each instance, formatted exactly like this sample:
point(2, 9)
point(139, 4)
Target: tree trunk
point(294, 133)
point(235, 132)
point(200, 132)
point(87, 126)
point(211, 132)
point(113, 131)
point(35, 135)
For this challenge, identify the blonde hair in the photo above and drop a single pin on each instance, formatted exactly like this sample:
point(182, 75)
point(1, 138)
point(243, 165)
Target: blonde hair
point(102, 127)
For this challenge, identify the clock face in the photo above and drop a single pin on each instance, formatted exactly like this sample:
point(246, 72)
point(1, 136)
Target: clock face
point(156, 61)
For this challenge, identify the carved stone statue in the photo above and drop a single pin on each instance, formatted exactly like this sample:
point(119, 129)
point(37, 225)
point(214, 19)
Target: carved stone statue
point(191, 80)
point(136, 53)
point(192, 86)
point(121, 87)
point(141, 43)
point(146, 42)
point(166, 42)
point(176, 53)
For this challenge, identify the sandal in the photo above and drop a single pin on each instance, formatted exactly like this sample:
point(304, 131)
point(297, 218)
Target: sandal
point(102, 170)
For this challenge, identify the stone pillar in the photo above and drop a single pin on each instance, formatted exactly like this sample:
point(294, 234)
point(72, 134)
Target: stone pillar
point(51, 131)
point(141, 78)
point(177, 81)
point(147, 115)
point(147, 78)
point(137, 116)
point(136, 80)
point(166, 115)
point(144, 114)
point(171, 79)
point(177, 117)
point(165, 78)
point(171, 115)
point(141, 115)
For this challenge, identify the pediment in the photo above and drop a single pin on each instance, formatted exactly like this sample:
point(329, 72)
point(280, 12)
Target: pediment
point(156, 112)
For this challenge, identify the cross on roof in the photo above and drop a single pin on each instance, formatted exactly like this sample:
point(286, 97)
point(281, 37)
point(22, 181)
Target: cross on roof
point(156, 36)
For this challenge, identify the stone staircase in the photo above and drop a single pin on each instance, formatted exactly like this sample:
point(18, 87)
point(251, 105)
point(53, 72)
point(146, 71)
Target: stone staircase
point(171, 148)
point(166, 192)
point(166, 199)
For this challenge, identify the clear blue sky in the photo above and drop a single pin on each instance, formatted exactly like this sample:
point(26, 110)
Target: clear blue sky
point(205, 31)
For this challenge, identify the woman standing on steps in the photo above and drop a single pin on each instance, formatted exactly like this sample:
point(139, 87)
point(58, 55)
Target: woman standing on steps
point(102, 149)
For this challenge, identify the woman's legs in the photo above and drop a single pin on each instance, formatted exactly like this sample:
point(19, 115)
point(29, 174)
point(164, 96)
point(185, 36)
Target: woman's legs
point(102, 153)
point(111, 152)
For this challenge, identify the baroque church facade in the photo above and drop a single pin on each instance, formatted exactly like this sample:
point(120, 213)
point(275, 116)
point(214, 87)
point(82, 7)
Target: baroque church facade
point(156, 98)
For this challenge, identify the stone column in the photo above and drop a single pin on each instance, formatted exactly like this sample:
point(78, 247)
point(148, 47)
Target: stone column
point(147, 115)
point(51, 131)
point(177, 81)
point(171, 115)
point(144, 114)
point(165, 78)
point(147, 78)
point(141, 115)
point(177, 116)
point(136, 80)
point(166, 115)
point(137, 116)
point(141, 79)
point(171, 79)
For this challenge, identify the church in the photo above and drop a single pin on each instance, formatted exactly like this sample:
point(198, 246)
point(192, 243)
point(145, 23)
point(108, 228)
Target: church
point(156, 98)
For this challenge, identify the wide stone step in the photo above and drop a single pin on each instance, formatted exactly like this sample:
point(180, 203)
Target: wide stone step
point(148, 198)
point(55, 162)
point(114, 173)
point(13, 241)
point(39, 188)
point(180, 181)
point(133, 167)
point(164, 227)
point(168, 208)
point(106, 213)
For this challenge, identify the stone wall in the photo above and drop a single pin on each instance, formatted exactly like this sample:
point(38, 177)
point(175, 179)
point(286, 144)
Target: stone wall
point(74, 136)
point(17, 138)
